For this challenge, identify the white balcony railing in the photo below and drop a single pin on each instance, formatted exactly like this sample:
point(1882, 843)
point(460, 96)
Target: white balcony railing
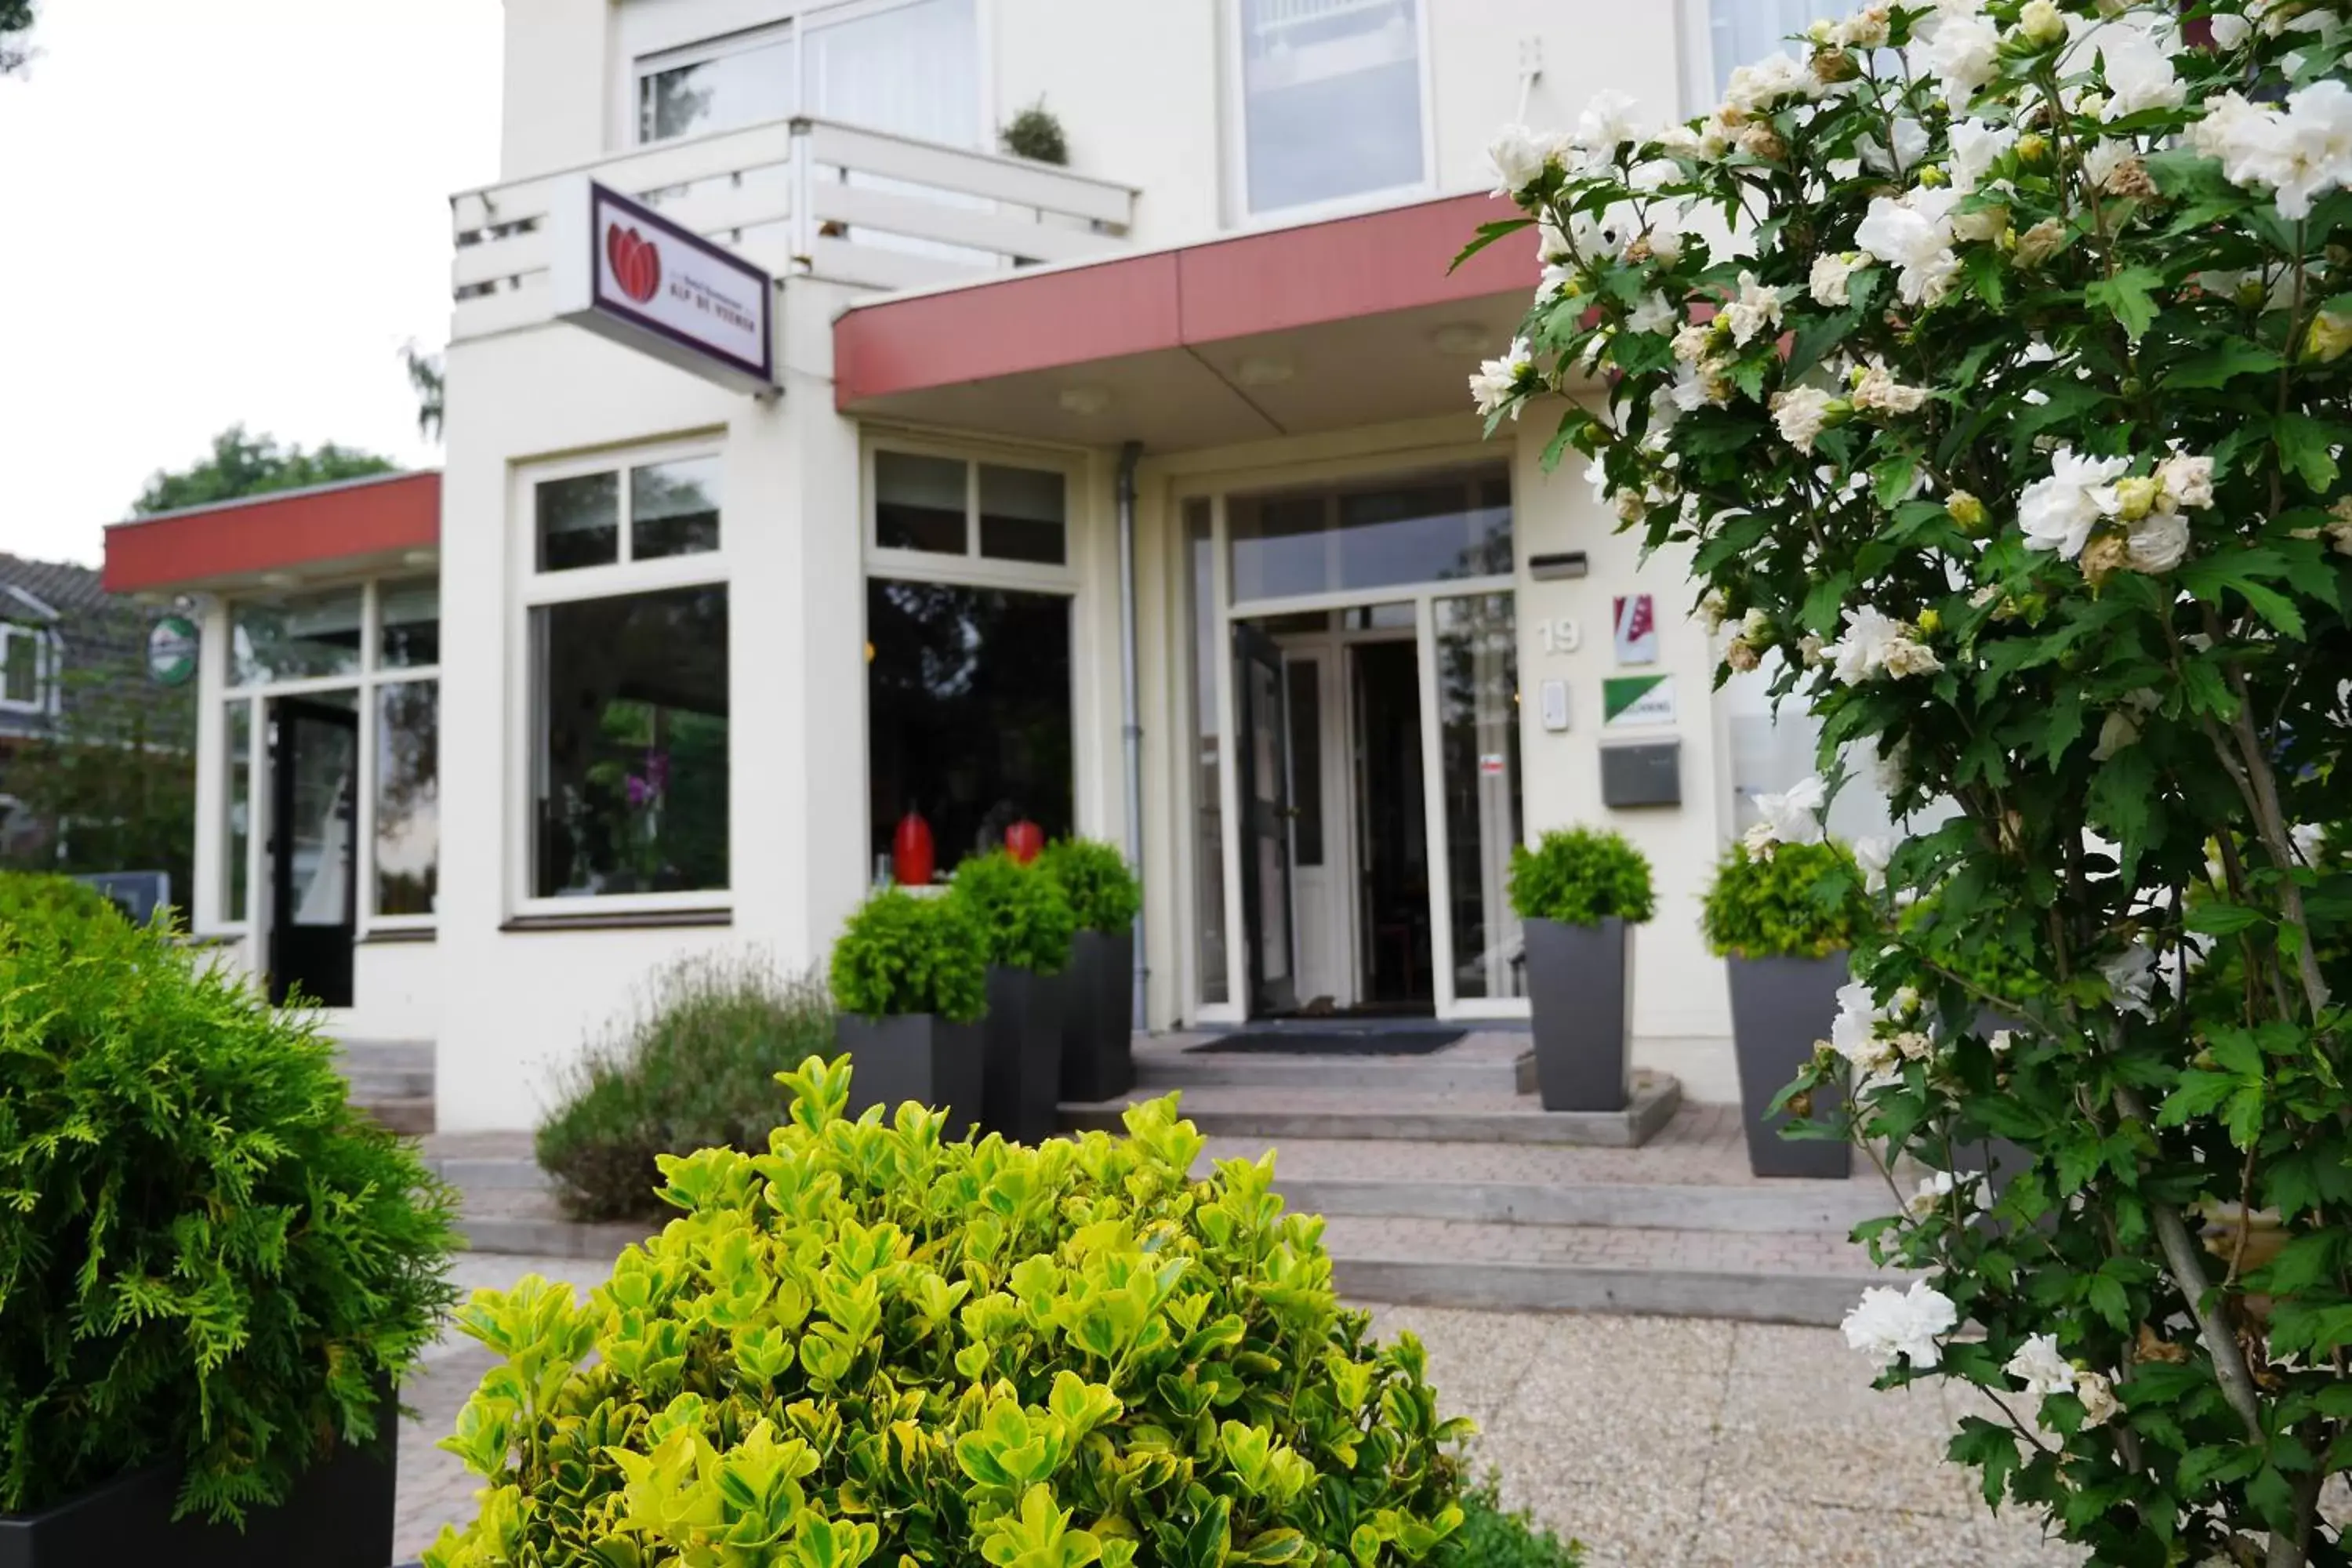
point(803, 195)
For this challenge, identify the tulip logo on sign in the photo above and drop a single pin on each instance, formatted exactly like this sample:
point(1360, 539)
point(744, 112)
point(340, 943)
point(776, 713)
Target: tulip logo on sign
point(636, 262)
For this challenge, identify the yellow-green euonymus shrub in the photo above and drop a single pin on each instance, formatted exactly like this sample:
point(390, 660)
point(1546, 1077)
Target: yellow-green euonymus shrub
point(870, 1346)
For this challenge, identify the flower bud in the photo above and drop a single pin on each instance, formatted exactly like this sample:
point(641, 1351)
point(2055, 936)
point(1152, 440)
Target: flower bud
point(2042, 24)
point(2329, 337)
point(1966, 511)
point(2135, 498)
point(2032, 147)
point(2040, 243)
point(1929, 623)
point(1932, 175)
point(1834, 65)
point(2092, 104)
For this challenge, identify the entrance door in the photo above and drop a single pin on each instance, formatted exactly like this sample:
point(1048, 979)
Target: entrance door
point(1264, 779)
point(314, 827)
point(1392, 856)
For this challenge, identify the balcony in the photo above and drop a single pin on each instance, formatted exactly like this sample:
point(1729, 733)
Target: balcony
point(802, 197)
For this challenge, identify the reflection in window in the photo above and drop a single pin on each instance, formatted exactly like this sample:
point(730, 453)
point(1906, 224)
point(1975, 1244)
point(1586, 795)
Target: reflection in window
point(674, 509)
point(1331, 100)
point(1306, 707)
point(1208, 780)
point(743, 87)
point(912, 70)
point(1021, 514)
point(237, 830)
point(407, 796)
point(1440, 528)
point(919, 502)
point(579, 521)
point(1479, 737)
point(411, 617)
point(1745, 31)
point(968, 713)
point(21, 658)
point(631, 776)
point(299, 638)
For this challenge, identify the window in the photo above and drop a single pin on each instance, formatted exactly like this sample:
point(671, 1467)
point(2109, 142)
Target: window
point(304, 636)
point(236, 839)
point(948, 506)
point(1208, 778)
point(911, 69)
point(629, 768)
point(409, 624)
point(968, 698)
point(1432, 530)
point(1331, 101)
point(1478, 744)
point(27, 660)
point(407, 796)
point(1740, 32)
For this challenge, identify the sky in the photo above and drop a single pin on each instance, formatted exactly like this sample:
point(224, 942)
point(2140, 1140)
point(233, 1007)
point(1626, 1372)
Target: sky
point(224, 211)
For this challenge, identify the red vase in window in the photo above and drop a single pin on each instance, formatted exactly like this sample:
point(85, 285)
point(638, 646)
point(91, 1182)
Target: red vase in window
point(1025, 839)
point(911, 851)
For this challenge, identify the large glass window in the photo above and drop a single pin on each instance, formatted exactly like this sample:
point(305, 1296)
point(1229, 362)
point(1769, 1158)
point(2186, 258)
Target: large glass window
point(722, 89)
point(300, 637)
point(940, 506)
point(237, 809)
point(1331, 100)
point(1742, 32)
point(912, 68)
point(1479, 737)
point(1439, 529)
point(409, 618)
point(968, 713)
point(24, 660)
point(631, 782)
point(407, 796)
point(1208, 776)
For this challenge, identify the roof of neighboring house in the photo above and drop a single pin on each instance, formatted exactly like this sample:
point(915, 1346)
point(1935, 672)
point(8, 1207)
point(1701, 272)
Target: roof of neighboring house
point(64, 586)
point(98, 632)
point(321, 528)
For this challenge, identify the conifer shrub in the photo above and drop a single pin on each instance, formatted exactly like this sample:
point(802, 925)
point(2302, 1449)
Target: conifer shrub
point(869, 1346)
point(1581, 876)
point(1022, 919)
point(1103, 892)
point(207, 1256)
point(1802, 900)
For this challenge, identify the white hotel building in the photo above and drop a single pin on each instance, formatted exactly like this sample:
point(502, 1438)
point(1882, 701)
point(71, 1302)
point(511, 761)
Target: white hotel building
point(1139, 498)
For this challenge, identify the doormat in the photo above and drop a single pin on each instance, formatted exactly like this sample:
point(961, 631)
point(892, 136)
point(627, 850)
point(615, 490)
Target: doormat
point(1328, 1043)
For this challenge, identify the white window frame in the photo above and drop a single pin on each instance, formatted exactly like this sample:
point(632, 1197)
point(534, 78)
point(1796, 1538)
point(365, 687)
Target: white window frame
point(539, 589)
point(1234, 121)
point(792, 20)
point(973, 570)
point(48, 656)
point(254, 698)
point(1217, 489)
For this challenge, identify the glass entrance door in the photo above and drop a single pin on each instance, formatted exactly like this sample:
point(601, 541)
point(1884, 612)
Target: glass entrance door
point(314, 820)
point(1266, 814)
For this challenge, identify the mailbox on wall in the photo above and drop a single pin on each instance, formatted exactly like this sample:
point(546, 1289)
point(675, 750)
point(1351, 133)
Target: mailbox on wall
point(1645, 774)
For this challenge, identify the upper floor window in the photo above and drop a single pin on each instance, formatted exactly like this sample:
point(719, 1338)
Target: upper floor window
point(1741, 32)
point(27, 664)
point(1332, 103)
point(912, 68)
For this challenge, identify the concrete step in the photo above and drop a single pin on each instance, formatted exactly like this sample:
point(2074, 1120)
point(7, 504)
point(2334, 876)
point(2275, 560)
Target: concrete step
point(528, 1222)
point(412, 1114)
point(390, 1056)
point(1440, 1073)
point(389, 1083)
point(1250, 1112)
point(1760, 1276)
point(1789, 1208)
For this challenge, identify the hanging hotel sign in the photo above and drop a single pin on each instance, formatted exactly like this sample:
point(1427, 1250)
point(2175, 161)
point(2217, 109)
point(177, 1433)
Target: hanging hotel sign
point(623, 271)
point(171, 651)
point(1631, 702)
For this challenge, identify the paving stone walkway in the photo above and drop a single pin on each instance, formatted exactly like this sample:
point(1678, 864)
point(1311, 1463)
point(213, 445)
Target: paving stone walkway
point(1662, 1443)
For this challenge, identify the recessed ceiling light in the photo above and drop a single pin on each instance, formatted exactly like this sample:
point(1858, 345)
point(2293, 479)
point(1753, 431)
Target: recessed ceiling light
point(1085, 401)
point(421, 558)
point(1263, 370)
point(1463, 338)
point(279, 579)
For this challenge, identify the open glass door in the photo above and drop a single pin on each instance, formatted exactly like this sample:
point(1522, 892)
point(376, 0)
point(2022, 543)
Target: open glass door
point(1262, 713)
point(314, 763)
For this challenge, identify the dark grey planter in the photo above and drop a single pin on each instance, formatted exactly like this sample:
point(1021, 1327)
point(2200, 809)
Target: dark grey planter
point(1022, 1082)
point(338, 1516)
point(1097, 1008)
point(915, 1057)
point(1579, 979)
point(1781, 1008)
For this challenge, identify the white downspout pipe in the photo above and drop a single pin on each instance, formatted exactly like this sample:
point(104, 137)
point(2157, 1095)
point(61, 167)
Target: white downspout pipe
point(1131, 727)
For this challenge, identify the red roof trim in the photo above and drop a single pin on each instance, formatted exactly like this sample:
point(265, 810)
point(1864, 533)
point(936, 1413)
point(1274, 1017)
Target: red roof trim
point(1370, 264)
point(275, 532)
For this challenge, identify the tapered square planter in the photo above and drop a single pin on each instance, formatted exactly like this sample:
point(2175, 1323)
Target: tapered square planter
point(1098, 1009)
point(1022, 1078)
point(915, 1057)
point(1579, 981)
point(338, 1516)
point(1781, 1008)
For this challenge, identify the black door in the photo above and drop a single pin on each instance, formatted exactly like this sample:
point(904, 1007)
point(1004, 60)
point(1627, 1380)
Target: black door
point(313, 854)
point(1265, 820)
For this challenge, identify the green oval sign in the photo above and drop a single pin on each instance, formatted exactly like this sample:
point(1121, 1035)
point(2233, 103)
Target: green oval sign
point(172, 650)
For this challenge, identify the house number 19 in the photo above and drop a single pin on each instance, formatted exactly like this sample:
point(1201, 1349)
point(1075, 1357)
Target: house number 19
point(1562, 635)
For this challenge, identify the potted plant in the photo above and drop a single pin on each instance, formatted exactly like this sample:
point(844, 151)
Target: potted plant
point(1098, 999)
point(215, 1268)
point(1036, 133)
point(908, 976)
point(1578, 893)
point(1784, 924)
point(1022, 927)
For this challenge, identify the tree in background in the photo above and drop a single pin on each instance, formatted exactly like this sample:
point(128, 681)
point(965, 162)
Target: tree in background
point(424, 375)
point(241, 465)
point(16, 16)
point(116, 778)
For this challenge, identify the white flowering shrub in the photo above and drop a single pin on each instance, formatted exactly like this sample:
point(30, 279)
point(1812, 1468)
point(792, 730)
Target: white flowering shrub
point(1988, 358)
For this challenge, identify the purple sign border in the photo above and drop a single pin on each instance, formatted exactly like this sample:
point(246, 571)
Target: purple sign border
point(604, 196)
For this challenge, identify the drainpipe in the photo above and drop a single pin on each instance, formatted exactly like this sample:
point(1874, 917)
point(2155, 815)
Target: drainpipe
point(1131, 729)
